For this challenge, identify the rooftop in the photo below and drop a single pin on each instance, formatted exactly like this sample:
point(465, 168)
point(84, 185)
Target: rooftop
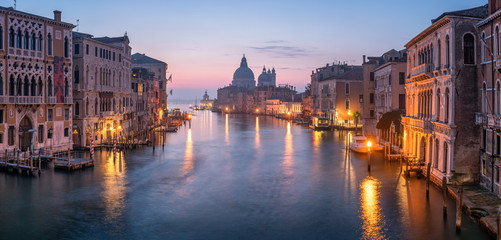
point(476, 12)
point(141, 58)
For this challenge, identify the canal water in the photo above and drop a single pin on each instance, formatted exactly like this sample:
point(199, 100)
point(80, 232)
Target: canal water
point(229, 177)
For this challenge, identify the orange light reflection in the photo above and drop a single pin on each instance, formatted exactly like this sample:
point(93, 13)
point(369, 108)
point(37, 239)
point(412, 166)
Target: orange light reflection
point(373, 220)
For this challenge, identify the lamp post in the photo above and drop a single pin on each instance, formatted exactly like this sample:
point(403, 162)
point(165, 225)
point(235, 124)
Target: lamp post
point(289, 115)
point(349, 115)
point(369, 145)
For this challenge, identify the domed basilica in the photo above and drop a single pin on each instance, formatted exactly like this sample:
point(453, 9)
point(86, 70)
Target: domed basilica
point(267, 78)
point(243, 76)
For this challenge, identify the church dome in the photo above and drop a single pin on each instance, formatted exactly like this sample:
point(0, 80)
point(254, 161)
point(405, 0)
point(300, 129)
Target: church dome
point(243, 76)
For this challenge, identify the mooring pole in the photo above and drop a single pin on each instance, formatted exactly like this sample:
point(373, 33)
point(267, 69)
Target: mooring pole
point(459, 209)
point(428, 171)
point(444, 190)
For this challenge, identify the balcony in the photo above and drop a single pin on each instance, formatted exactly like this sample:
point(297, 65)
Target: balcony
point(423, 71)
point(425, 125)
point(25, 100)
point(498, 62)
point(107, 114)
point(4, 99)
point(51, 100)
point(488, 120)
point(68, 100)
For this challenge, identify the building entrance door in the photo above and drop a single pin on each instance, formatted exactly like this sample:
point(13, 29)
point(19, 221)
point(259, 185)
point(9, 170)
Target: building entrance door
point(24, 134)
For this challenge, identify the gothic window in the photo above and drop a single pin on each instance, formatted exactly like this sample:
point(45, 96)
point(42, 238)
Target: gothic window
point(95, 107)
point(1, 86)
point(40, 86)
point(437, 108)
point(33, 41)
point(19, 40)
point(496, 41)
point(469, 49)
point(66, 47)
point(66, 88)
point(12, 86)
point(40, 40)
point(26, 40)
point(446, 102)
point(447, 50)
point(26, 86)
point(49, 87)
point(484, 51)
point(439, 55)
point(33, 87)
point(49, 44)
point(437, 146)
point(19, 86)
point(11, 37)
point(446, 149)
point(1, 37)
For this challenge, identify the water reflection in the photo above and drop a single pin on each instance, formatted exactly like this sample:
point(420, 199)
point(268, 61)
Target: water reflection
point(226, 131)
point(114, 188)
point(373, 220)
point(188, 155)
point(288, 163)
point(257, 138)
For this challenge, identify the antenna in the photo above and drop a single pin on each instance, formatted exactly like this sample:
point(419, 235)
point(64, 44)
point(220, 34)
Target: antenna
point(15, 3)
point(78, 23)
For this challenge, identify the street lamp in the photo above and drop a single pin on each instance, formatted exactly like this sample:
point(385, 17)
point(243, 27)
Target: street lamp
point(349, 115)
point(369, 145)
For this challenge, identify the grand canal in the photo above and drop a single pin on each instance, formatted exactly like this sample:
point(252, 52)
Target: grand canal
point(229, 177)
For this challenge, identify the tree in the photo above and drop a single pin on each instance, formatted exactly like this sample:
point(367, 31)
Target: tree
point(307, 89)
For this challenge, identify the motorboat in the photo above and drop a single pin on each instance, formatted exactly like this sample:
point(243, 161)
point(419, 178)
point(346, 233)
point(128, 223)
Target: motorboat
point(359, 144)
point(319, 123)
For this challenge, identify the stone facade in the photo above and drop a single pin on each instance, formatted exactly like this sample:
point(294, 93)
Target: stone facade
point(442, 95)
point(35, 81)
point(103, 103)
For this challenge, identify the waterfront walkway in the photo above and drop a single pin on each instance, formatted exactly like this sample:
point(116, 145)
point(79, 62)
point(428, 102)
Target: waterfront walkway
point(480, 204)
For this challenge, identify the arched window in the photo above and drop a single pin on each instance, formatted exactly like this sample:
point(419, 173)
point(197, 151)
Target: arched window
point(40, 86)
point(33, 41)
point(95, 107)
point(446, 154)
point(40, 41)
point(49, 44)
point(26, 40)
point(77, 109)
point(19, 86)
point(11, 37)
point(26, 86)
point(446, 102)
point(66, 47)
point(469, 49)
point(33, 87)
point(1, 37)
point(66, 88)
point(484, 51)
point(447, 51)
point(49, 87)
point(439, 54)
point(437, 107)
point(484, 97)
point(1, 86)
point(12, 86)
point(19, 40)
point(437, 149)
point(87, 107)
point(496, 103)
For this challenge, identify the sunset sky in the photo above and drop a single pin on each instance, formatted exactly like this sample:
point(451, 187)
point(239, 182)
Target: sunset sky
point(203, 41)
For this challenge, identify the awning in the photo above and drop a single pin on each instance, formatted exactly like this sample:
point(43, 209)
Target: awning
point(388, 118)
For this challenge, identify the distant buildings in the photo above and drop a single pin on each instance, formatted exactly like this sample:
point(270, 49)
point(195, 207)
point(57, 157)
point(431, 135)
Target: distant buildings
point(103, 103)
point(206, 102)
point(243, 76)
point(336, 93)
point(35, 81)
point(267, 78)
point(159, 70)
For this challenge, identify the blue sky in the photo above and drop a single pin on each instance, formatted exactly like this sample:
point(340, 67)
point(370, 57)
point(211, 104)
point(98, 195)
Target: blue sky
point(203, 41)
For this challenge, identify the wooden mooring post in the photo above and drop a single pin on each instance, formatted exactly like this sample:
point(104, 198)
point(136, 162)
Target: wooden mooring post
point(444, 190)
point(499, 226)
point(428, 171)
point(459, 209)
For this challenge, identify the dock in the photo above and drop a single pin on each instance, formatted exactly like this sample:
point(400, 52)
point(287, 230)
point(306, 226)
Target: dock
point(73, 163)
point(20, 162)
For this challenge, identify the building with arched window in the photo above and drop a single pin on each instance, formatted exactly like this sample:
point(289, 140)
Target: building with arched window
point(488, 116)
point(441, 89)
point(101, 80)
point(32, 81)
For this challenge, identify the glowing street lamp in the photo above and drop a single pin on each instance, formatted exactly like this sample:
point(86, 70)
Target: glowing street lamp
point(369, 145)
point(257, 110)
point(227, 109)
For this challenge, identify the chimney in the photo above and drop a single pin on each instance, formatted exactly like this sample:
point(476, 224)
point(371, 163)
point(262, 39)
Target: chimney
point(364, 58)
point(57, 15)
